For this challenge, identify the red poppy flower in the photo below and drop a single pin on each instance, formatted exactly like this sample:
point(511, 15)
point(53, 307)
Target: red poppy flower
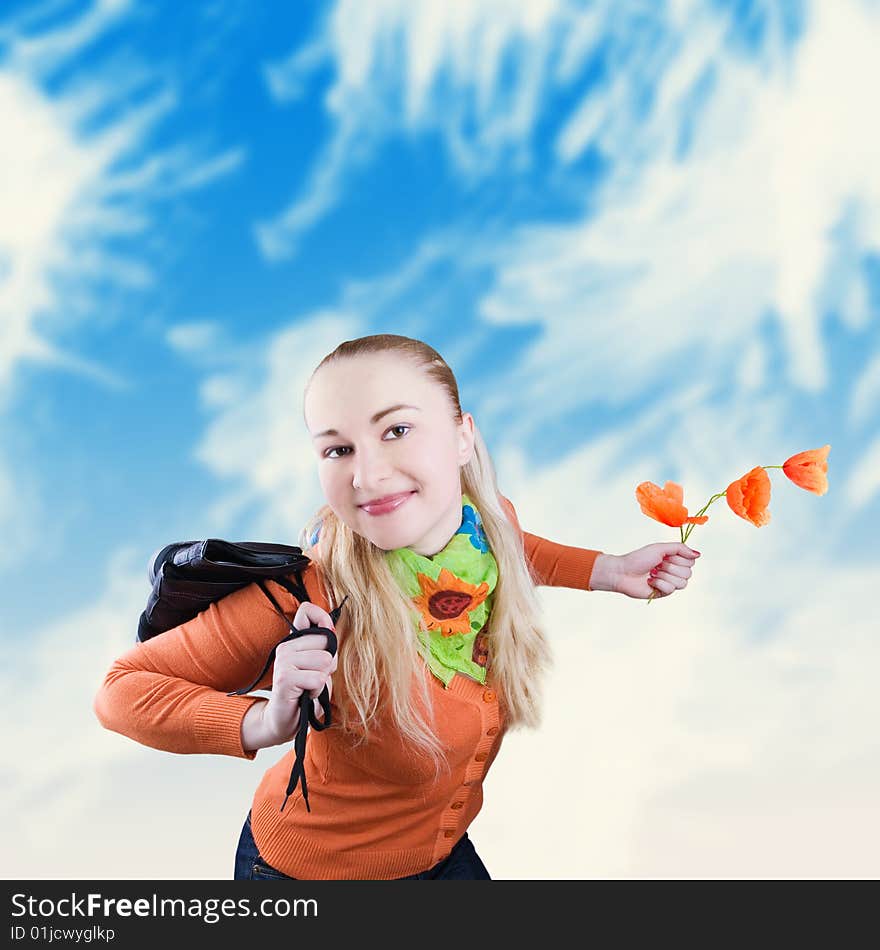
point(749, 496)
point(665, 504)
point(809, 469)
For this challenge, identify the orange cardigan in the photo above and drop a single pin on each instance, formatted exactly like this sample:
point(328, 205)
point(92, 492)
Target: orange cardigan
point(376, 811)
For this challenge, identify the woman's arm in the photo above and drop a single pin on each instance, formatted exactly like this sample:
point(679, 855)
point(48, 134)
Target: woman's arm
point(170, 691)
point(254, 734)
point(562, 565)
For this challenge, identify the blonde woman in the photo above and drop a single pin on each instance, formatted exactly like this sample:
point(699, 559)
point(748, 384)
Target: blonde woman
point(441, 647)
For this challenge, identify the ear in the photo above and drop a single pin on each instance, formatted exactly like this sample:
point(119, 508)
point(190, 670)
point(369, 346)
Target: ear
point(466, 438)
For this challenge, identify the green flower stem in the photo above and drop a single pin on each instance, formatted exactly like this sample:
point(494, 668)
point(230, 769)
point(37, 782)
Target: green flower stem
point(701, 512)
point(686, 534)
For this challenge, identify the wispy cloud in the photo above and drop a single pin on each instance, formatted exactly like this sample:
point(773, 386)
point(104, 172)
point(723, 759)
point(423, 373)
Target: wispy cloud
point(863, 485)
point(486, 77)
point(43, 51)
point(416, 67)
point(20, 507)
point(80, 172)
point(685, 260)
point(865, 396)
point(64, 665)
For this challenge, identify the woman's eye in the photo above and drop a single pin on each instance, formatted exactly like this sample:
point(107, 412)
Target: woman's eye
point(339, 448)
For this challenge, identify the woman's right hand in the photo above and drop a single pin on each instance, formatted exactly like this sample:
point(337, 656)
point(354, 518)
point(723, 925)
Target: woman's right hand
point(302, 664)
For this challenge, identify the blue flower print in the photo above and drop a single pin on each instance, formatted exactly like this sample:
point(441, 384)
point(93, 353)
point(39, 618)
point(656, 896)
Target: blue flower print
point(473, 527)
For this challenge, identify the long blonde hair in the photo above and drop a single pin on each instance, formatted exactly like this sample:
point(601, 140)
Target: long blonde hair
point(378, 658)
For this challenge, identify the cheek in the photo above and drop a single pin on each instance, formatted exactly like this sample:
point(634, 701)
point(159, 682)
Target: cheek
point(442, 466)
point(433, 458)
point(324, 478)
point(332, 485)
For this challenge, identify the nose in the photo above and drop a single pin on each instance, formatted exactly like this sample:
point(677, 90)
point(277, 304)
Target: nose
point(371, 468)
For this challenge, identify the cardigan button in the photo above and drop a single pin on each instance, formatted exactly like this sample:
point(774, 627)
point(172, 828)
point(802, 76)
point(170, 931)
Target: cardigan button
point(489, 696)
point(448, 833)
point(492, 731)
point(457, 805)
point(481, 756)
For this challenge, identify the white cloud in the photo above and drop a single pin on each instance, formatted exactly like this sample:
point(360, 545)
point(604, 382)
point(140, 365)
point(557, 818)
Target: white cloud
point(43, 174)
point(863, 484)
point(277, 238)
point(484, 75)
point(865, 396)
point(193, 338)
point(77, 172)
point(403, 66)
point(781, 158)
point(62, 751)
point(43, 52)
point(692, 254)
point(19, 508)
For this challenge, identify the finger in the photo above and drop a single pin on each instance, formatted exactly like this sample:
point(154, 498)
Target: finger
point(311, 615)
point(677, 577)
point(319, 709)
point(319, 660)
point(671, 583)
point(656, 589)
point(660, 585)
point(664, 571)
point(670, 571)
point(311, 681)
point(316, 692)
point(308, 641)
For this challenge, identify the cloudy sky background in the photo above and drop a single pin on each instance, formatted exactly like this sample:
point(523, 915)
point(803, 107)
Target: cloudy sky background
point(645, 236)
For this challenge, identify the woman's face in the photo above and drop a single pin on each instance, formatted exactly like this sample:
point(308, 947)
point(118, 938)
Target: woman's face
point(415, 451)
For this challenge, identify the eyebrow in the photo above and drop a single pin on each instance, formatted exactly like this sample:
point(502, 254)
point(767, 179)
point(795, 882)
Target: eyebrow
point(373, 421)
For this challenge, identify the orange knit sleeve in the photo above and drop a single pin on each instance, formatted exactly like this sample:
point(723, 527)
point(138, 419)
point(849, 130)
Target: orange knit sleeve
point(170, 691)
point(556, 565)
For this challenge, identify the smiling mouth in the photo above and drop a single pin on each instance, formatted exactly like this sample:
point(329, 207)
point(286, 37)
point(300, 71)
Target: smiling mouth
point(388, 505)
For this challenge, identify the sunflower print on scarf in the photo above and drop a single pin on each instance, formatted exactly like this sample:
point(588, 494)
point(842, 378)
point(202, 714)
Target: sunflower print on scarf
point(452, 595)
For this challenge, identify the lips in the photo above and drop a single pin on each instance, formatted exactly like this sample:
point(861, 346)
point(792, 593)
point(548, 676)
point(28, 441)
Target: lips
point(388, 503)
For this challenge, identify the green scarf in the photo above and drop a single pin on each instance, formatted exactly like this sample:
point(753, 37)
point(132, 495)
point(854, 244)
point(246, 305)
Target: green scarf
point(453, 593)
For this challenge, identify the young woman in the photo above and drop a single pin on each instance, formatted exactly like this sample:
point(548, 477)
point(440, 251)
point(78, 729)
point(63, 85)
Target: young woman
point(441, 646)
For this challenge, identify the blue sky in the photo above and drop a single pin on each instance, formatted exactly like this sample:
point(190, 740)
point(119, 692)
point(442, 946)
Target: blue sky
point(645, 236)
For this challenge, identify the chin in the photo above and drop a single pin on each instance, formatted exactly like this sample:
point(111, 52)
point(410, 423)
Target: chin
point(390, 541)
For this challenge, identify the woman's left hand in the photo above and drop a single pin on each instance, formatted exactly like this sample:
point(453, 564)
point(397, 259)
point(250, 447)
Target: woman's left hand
point(634, 574)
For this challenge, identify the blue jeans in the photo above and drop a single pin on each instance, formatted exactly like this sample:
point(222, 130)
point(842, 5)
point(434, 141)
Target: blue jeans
point(462, 864)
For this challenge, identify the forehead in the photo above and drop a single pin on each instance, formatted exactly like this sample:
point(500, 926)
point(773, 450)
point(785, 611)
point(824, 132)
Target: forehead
point(349, 393)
